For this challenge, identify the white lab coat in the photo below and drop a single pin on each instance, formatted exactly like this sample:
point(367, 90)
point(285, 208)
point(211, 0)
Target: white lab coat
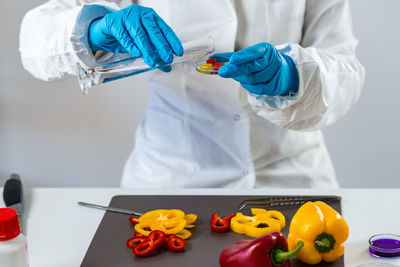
point(204, 131)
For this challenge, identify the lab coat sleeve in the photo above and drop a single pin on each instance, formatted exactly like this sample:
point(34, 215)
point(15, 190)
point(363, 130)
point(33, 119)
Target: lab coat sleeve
point(53, 36)
point(331, 77)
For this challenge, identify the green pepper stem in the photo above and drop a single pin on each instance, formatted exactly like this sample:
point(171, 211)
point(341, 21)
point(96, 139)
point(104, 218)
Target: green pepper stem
point(282, 256)
point(324, 243)
point(279, 256)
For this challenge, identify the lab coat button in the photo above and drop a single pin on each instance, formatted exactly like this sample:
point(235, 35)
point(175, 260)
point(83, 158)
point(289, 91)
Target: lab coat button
point(245, 172)
point(236, 117)
point(230, 19)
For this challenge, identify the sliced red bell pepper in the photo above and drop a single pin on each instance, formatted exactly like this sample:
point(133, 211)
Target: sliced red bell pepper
point(174, 243)
point(137, 234)
point(143, 249)
point(156, 237)
point(220, 225)
point(134, 241)
point(134, 220)
point(153, 242)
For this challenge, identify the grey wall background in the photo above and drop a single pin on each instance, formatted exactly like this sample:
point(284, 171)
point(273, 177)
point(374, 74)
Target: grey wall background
point(53, 136)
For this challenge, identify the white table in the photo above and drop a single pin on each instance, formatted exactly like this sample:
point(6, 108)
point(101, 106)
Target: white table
point(59, 231)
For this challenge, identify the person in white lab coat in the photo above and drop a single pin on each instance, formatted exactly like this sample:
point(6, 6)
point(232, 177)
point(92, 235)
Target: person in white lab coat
point(207, 131)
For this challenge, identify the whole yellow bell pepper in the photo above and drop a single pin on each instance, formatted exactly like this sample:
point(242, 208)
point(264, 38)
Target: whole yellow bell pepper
point(323, 231)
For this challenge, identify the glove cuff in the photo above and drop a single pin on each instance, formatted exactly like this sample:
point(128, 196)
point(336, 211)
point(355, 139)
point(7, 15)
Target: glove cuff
point(93, 27)
point(79, 37)
point(291, 84)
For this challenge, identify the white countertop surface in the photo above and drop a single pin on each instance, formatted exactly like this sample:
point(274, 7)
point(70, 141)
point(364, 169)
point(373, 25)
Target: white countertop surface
point(59, 231)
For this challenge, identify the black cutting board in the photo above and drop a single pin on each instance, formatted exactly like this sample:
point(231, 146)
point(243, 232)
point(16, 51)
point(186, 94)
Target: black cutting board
point(108, 249)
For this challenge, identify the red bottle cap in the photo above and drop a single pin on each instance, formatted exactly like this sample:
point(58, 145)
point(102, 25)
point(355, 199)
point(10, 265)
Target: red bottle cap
point(9, 224)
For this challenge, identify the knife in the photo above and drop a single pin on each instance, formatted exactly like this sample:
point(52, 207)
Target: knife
point(13, 195)
point(112, 209)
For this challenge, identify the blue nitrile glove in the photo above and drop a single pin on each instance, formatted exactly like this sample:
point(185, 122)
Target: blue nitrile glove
point(262, 70)
point(136, 30)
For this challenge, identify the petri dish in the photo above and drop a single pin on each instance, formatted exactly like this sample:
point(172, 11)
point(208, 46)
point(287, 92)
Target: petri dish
point(210, 65)
point(377, 264)
point(385, 246)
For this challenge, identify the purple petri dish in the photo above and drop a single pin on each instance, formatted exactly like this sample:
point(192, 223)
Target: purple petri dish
point(385, 246)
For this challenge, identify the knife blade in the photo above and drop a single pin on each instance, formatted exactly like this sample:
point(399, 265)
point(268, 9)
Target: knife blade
point(13, 195)
point(112, 209)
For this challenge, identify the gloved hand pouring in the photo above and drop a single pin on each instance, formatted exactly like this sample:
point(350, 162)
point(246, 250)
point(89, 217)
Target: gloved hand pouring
point(136, 30)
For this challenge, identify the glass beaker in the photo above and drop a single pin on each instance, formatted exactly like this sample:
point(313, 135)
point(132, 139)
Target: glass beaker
point(111, 71)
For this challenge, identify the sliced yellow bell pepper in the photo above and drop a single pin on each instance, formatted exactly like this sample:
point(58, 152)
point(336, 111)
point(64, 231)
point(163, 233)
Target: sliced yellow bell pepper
point(172, 221)
point(190, 218)
point(171, 226)
point(175, 214)
point(323, 231)
point(143, 227)
point(162, 215)
point(239, 222)
point(184, 234)
point(152, 215)
point(257, 211)
point(274, 214)
point(262, 222)
point(262, 226)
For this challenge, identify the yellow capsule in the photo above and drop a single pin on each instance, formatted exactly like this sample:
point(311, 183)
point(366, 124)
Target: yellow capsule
point(206, 66)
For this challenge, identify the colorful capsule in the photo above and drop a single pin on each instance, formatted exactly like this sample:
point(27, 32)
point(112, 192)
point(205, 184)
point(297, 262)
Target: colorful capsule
point(211, 66)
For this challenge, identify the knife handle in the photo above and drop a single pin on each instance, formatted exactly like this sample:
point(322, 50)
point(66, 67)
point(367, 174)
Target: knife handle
point(12, 192)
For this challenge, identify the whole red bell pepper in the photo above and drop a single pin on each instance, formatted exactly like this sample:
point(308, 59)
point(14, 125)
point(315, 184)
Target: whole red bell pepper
point(220, 225)
point(265, 251)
